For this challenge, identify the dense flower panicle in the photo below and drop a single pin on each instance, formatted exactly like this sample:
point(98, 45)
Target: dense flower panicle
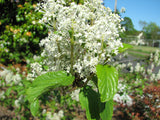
point(75, 95)
point(123, 99)
point(155, 58)
point(55, 116)
point(80, 35)
point(2, 95)
point(19, 101)
point(10, 78)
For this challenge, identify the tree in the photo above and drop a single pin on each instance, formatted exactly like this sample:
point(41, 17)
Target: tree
point(128, 25)
point(151, 30)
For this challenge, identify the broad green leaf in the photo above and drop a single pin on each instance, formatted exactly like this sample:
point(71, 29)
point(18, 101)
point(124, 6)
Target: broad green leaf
point(89, 101)
point(107, 112)
point(34, 107)
point(95, 109)
point(47, 81)
point(124, 48)
point(107, 81)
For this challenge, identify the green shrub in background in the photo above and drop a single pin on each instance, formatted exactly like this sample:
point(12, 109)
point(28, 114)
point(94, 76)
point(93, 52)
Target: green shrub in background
point(20, 31)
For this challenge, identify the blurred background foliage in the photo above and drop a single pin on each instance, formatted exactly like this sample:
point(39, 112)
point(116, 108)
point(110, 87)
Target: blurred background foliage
point(20, 31)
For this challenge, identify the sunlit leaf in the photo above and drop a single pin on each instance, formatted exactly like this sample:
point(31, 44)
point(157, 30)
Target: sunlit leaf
point(34, 107)
point(48, 81)
point(107, 81)
point(124, 48)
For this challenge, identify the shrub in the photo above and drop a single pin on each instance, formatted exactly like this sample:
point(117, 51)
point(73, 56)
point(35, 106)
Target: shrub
point(22, 33)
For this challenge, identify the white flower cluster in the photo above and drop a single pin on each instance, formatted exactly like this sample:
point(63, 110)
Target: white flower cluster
point(55, 116)
point(121, 66)
point(10, 78)
point(139, 40)
point(139, 68)
point(123, 10)
point(155, 58)
point(2, 95)
point(80, 35)
point(121, 87)
point(36, 71)
point(124, 98)
point(19, 101)
point(75, 95)
point(155, 77)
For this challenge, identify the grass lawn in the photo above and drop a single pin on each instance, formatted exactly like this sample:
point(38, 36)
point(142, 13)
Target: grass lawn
point(142, 51)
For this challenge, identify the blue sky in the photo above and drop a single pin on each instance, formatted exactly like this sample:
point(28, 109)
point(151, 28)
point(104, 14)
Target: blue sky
point(144, 10)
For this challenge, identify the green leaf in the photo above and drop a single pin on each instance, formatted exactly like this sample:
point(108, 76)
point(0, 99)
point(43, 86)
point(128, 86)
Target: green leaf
point(2, 1)
point(89, 101)
point(124, 48)
point(95, 109)
point(107, 112)
point(8, 91)
point(107, 81)
point(48, 81)
point(34, 107)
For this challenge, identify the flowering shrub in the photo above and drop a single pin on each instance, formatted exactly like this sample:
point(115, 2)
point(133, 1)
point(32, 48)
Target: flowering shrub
point(138, 86)
point(12, 92)
point(20, 38)
point(82, 40)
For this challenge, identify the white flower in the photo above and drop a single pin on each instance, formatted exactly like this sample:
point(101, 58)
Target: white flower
point(16, 79)
point(75, 94)
point(19, 101)
point(55, 116)
point(4, 73)
point(81, 36)
point(2, 95)
point(18, 70)
point(123, 10)
point(131, 69)
point(121, 87)
point(33, 22)
point(9, 77)
point(138, 68)
point(139, 40)
point(123, 99)
point(158, 75)
point(153, 76)
point(158, 107)
point(149, 71)
point(129, 64)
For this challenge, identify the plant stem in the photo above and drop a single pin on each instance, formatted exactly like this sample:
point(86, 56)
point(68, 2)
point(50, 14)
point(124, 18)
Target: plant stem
point(72, 51)
point(72, 58)
point(59, 50)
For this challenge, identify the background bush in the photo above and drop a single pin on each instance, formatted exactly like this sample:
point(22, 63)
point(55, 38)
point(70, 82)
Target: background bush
point(20, 31)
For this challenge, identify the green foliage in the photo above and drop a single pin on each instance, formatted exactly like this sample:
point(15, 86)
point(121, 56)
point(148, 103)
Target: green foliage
point(124, 48)
point(34, 107)
point(107, 112)
point(44, 83)
point(19, 39)
point(107, 81)
point(95, 109)
point(2, 1)
point(128, 25)
point(99, 105)
point(20, 31)
point(96, 104)
point(48, 81)
point(90, 101)
point(151, 30)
